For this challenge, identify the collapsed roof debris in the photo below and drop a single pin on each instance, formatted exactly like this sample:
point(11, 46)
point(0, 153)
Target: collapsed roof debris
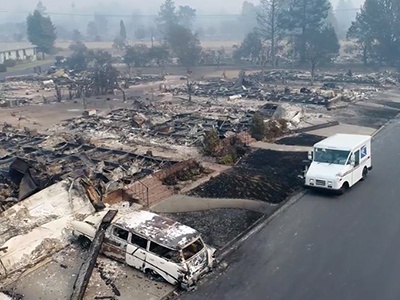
point(34, 162)
point(270, 86)
point(35, 227)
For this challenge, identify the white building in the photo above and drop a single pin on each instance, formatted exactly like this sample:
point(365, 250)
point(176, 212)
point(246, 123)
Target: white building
point(17, 52)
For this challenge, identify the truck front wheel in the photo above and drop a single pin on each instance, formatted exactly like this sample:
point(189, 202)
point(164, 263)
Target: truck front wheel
point(344, 188)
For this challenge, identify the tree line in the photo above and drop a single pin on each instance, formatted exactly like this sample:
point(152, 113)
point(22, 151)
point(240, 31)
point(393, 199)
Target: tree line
point(305, 29)
point(295, 30)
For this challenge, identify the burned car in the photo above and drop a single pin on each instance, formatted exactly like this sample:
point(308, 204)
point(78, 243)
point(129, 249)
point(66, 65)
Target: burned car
point(152, 243)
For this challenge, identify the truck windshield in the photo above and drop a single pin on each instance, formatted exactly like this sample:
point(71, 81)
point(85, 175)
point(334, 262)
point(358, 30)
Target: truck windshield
point(331, 156)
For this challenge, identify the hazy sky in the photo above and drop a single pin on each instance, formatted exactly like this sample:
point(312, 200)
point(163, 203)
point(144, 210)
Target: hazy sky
point(129, 6)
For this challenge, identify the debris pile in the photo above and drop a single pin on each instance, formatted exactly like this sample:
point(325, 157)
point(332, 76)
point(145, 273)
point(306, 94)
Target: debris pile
point(149, 127)
point(281, 76)
point(35, 162)
point(256, 86)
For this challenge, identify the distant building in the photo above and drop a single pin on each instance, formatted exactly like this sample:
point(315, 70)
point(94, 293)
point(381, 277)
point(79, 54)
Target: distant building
point(18, 52)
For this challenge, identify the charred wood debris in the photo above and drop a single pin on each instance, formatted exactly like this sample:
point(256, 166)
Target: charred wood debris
point(27, 166)
point(69, 85)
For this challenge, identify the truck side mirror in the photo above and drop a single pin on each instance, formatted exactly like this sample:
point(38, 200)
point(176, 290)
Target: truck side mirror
point(310, 155)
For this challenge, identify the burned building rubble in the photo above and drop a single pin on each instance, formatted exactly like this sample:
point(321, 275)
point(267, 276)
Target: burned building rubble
point(274, 86)
point(29, 165)
point(133, 127)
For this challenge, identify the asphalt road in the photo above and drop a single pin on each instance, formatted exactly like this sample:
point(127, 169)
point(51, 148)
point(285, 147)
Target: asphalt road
point(323, 247)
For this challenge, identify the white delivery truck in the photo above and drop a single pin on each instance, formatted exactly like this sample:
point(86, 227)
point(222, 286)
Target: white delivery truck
point(338, 162)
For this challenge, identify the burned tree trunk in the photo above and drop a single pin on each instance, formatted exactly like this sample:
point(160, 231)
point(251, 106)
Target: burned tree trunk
point(58, 93)
point(86, 270)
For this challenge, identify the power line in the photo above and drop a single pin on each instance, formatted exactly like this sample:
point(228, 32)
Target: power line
point(134, 15)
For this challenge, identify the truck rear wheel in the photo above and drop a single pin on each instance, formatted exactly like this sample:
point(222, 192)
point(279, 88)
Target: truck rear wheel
point(364, 173)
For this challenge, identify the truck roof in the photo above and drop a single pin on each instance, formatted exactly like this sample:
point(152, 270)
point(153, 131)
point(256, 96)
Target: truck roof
point(343, 141)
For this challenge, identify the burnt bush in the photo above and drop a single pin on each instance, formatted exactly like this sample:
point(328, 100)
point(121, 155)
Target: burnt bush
point(191, 172)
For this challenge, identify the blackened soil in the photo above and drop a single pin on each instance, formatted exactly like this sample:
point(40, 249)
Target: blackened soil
point(302, 139)
point(264, 175)
point(218, 226)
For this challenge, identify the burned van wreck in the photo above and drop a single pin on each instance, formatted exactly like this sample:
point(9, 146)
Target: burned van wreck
point(152, 244)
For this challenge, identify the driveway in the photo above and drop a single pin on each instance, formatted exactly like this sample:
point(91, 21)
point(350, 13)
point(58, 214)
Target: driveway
point(325, 247)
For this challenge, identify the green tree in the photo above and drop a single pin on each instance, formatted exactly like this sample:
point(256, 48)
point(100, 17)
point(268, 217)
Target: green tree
point(250, 49)
point(306, 15)
point(186, 16)
point(136, 56)
point(159, 54)
point(377, 32)
point(79, 57)
point(41, 8)
point(211, 143)
point(92, 31)
point(104, 75)
point(122, 30)
point(258, 127)
point(41, 32)
point(322, 46)
point(167, 17)
point(77, 36)
point(185, 45)
point(269, 24)
point(248, 18)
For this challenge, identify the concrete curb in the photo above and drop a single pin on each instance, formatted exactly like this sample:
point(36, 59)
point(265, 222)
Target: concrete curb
point(184, 203)
point(376, 132)
point(261, 223)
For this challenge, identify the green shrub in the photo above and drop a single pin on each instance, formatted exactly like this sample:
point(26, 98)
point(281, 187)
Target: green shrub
point(258, 127)
point(226, 160)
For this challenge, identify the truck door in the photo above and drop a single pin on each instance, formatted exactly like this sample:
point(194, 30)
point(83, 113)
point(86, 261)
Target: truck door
point(136, 252)
point(357, 171)
point(115, 243)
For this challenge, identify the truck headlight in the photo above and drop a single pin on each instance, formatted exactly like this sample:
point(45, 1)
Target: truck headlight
point(311, 181)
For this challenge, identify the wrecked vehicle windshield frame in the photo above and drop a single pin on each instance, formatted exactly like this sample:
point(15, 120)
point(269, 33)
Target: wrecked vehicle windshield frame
point(192, 249)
